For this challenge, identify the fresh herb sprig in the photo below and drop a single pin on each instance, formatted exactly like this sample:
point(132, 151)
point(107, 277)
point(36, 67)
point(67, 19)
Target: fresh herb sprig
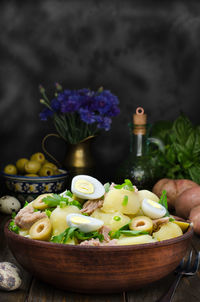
point(72, 232)
point(55, 200)
point(126, 231)
point(163, 202)
point(180, 158)
point(13, 227)
point(127, 185)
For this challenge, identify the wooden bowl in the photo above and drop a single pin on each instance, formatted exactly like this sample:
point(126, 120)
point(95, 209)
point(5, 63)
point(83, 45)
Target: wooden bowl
point(93, 269)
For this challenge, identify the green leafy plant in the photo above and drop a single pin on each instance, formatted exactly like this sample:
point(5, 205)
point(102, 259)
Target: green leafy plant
point(181, 156)
point(72, 232)
point(55, 200)
point(126, 231)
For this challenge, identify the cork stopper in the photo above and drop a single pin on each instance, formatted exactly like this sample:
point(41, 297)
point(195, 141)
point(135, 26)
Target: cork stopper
point(139, 121)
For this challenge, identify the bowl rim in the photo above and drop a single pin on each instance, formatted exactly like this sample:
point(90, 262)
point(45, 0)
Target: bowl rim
point(64, 173)
point(188, 234)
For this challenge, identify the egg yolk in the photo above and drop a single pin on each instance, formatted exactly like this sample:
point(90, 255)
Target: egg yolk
point(154, 204)
point(84, 186)
point(78, 220)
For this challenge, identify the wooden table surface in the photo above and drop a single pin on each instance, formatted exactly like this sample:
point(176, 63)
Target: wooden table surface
point(33, 290)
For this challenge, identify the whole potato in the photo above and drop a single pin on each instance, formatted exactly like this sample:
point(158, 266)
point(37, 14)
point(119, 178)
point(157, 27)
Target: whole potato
point(186, 201)
point(174, 188)
point(195, 218)
point(183, 185)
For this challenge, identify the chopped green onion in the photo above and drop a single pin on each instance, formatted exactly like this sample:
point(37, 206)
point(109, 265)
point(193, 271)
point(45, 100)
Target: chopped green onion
point(48, 212)
point(63, 204)
point(117, 218)
point(125, 200)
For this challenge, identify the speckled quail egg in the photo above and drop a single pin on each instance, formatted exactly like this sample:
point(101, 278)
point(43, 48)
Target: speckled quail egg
point(10, 278)
point(87, 187)
point(153, 209)
point(84, 223)
point(9, 204)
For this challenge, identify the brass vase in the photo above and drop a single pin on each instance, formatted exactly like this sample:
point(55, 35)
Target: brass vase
point(79, 157)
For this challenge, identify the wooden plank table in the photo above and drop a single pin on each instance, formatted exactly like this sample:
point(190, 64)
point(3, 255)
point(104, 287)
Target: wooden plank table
point(33, 290)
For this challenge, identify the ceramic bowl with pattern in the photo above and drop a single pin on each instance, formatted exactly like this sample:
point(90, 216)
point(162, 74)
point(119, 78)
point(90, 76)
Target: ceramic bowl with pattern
point(28, 188)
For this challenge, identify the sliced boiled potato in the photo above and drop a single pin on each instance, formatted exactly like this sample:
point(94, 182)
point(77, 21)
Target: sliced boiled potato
point(183, 225)
point(124, 240)
point(167, 231)
point(142, 194)
point(124, 201)
point(113, 220)
point(58, 218)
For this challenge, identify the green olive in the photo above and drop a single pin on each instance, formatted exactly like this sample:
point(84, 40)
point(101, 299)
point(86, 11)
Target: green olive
point(41, 230)
point(32, 167)
point(141, 223)
point(38, 157)
point(39, 204)
point(50, 165)
point(10, 169)
point(46, 171)
point(20, 164)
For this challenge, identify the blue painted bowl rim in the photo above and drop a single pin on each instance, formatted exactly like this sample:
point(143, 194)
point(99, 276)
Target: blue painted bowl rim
point(64, 173)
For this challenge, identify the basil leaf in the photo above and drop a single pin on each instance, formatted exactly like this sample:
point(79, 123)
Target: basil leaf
point(107, 187)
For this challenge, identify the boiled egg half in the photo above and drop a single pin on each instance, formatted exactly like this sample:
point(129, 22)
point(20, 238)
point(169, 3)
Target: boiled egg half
point(87, 187)
point(84, 223)
point(153, 209)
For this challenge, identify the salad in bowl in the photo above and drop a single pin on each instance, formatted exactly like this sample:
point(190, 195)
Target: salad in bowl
point(94, 214)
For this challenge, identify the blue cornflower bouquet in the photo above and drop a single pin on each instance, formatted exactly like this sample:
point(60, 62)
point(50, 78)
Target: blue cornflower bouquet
point(78, 114)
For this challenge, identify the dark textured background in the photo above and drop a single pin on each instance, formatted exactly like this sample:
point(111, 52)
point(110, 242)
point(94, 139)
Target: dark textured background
point(145, 52)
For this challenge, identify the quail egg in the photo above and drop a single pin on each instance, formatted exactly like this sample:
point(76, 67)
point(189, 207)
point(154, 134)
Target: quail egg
point(84, 223)
point(153, 209)
point(87, 187)
point(9, 204)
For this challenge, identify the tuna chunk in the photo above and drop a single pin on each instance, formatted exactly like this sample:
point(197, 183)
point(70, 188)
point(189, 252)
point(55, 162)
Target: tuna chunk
point(96, 242)
point(91, 205)
point(26, 217)
point(157, 223)
point(104, 230)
